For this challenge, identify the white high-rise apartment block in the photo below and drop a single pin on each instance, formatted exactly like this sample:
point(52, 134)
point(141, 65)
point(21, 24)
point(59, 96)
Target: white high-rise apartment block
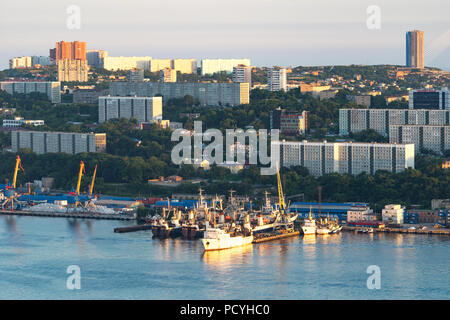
point(276, 79)
point(185, 65)
point(73, 70)
point(51, 88)
point(20, 62)
point(126, 63)
point(54, 142)
point(211, 66)
point(429, 137)
point(208, 94)
point(144, 109)
point(346, 157)
point(380, 120)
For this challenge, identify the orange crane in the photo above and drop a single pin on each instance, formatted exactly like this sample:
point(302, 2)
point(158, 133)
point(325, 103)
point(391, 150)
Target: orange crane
point(16, 170)
point(80, 175)
point(91, 188)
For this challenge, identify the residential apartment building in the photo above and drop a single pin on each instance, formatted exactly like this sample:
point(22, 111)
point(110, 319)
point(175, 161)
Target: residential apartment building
point(414, 49)
point(360, 100)
point(20, 62)
point(135, 75)
point(380, 120)
point(168, 75)
point(211, 66)
point(40, 60)
point(393, 213)
point(144, 109)
point(89, 96)
point(346, 157)
point(159, 64)
point(67, 142)
point(184, 65)
point(208, 94)
point(18, 122)
point(51, 88)
point(95, 58)
point(276, 79)
point(429, 99)
point(289, 122)
point(126, 63)
point(429, 137)
point(242, 73)
point(73, 70)
point(75, 50)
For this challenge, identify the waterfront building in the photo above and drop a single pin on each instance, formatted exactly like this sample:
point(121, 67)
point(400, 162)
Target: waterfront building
point(50, 88)
point(414, 49)
point(135, 75)
point(20, 62)
point(346, 157)
point(144, 109)
point(208, 94)
point(380, 120)
point(211, 66)
point(393, 213)
point(276, 79)
point(289, 122)
point(328, 210)
point(242, 73)
point(429, 137)
point(359, 214)
point(168, 75)
point(429, 99)
point(50, 142)
point(73, 70)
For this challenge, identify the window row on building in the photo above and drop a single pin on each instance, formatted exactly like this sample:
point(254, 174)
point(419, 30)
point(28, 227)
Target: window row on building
point(50, 88)
point(380, 120)
point(346, 157)
point(54, 142)
point(428, 137)
point(144, 109)
point(208, 94)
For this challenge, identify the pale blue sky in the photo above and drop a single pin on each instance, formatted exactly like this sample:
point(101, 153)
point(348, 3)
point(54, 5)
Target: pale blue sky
point(269, 32)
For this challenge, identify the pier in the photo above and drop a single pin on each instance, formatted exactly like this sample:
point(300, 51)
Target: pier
point(269, 237)
point(133, 228)
point(402, 230)
point(68, 215)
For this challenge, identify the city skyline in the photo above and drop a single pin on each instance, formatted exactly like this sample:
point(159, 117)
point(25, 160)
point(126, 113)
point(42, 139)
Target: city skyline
point(312, 33)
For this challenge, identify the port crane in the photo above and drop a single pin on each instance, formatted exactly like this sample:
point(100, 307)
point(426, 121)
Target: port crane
point(80, 175)
point(281, 203)
point(91, 188)
point(9, 195)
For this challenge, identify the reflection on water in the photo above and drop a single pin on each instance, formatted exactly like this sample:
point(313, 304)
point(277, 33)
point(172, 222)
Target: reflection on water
point(226, 258)
point(35, 252)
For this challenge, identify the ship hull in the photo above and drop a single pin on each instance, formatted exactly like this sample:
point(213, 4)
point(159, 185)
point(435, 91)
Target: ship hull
point(308, 230)
point(221, 244)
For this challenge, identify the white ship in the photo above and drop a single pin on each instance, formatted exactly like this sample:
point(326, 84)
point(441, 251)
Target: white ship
point(218, 239)
point(309, 227)
point(323, 230)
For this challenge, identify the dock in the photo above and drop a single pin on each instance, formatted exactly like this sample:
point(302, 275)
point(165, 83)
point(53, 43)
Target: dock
point(269, 237)
point(439, 231)
point(68, 215)
point(133, 228)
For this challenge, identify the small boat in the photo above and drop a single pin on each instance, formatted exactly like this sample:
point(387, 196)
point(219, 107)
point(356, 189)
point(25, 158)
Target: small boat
point(323, 230)
point(309, 227)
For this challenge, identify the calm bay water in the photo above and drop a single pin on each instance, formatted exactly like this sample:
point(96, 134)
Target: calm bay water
point(35, 253)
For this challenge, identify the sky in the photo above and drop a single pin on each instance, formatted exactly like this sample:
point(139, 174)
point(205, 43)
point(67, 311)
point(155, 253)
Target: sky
point(269, 32)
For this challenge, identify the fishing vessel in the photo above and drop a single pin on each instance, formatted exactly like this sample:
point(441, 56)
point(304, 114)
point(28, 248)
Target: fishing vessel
point(218, 239)
point(309, 227)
